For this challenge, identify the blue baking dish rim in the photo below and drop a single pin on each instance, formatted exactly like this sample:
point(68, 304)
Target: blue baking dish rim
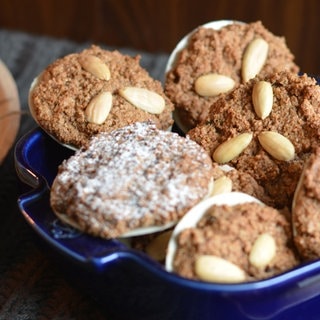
point(112, 250)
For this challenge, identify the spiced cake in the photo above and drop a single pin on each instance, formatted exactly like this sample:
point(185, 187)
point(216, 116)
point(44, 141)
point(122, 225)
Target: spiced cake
point(216, 61)
point(236, 243)
point(306, 209)
point(96, 90)
point(271, 148)
point(132, 178)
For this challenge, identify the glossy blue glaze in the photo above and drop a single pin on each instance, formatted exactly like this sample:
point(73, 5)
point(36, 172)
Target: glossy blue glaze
point(130, 285)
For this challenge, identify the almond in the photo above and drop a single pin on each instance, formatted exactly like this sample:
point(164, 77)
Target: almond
point(254, 58)
point(144, 99)
point(212, 84)
point(95, 66)
point(263, 251)
point(277, 145)
point(231, 148)
point(262, 98)
point(99, 107)
point(215, 269)
point(222, 185)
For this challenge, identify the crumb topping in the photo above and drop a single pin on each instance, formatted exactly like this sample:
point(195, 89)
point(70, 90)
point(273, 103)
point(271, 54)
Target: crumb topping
point(135, 176)
point(229, 232)
point(219, 51)
point(295, 114)
point(64, 90)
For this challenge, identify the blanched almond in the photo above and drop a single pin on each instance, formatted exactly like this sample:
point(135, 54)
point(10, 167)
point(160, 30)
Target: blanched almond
point(277, 145)
point(254, 58)
point(263, 251)
point(231, 148)
point(215, 269)
point(95, 66)
point(262, 98)
point(222, 185)
point(99, 107)
point(144, 99)
point(212, 84)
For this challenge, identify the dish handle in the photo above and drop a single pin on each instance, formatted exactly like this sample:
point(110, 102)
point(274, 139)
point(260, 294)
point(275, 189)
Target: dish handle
point(33, 167)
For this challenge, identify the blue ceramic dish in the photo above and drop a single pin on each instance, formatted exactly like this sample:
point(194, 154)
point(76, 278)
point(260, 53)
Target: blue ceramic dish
point(130, 285)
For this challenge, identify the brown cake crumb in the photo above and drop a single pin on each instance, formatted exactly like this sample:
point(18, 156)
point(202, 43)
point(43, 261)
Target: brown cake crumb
point(306, 209)
point(241, 182)
point(229, 232)
point(219, 51)
point(244, 182)
point(64, 90)
point(295, 114)
point(136, 176)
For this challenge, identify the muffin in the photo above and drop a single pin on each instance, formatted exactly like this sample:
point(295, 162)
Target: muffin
point(93, 91)
point(236, 243)
point(306, 209)
point(271, 147)
point(134, 180)
point(216, 61)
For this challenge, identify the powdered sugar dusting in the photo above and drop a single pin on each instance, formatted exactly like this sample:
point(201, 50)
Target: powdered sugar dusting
point(138, 175)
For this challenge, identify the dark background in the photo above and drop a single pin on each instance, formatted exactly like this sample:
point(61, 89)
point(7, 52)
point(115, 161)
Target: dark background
point(31, 285)
point(157, 25)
